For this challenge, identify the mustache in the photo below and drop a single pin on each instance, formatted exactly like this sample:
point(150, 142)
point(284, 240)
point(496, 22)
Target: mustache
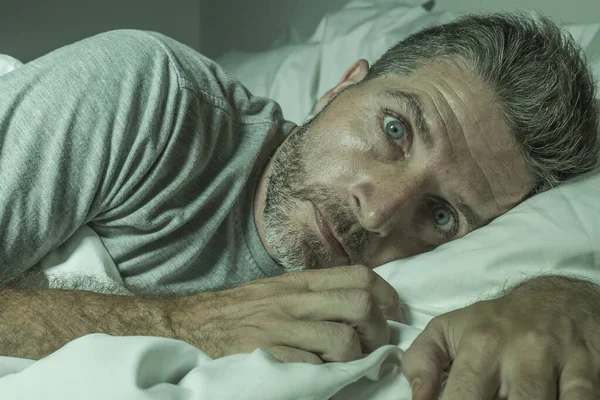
point(342, 219)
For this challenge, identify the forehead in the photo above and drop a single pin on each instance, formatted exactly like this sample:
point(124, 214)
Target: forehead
point(469, 154)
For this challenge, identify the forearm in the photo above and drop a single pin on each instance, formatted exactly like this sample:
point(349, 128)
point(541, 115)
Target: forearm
point(35, 323)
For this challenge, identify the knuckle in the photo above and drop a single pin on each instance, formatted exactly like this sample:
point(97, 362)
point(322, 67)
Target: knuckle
point(436, 322)
point(292, 355)
point(364, 304)
point(538, 343)
point(312, 359)
point(462, 386)
point(463, 391)
point(347, 336)
point(533, 337)
point(484, 337)
point(531, 390)
point(365, 276)
point(294, 278)
point(348, 343)
point(269, 318)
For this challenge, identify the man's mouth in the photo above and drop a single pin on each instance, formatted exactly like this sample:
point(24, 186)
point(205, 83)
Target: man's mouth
point(329, 236)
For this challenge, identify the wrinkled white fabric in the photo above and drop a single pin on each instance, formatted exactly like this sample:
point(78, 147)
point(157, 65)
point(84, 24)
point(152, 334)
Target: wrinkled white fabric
point(100, 367)
point(8, 63)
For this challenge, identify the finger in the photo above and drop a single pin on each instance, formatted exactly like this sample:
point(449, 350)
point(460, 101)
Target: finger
point(356, 277)
point(287, 354)
point(425, 360)
point(475, 371)
point(355, 307)
point(580, 390)
point(531, 379)
point(579, 379)
point(331, 341)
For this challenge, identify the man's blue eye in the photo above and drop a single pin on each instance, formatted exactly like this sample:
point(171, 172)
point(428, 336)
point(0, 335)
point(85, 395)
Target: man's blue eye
point(394, 128)
point(443, 218)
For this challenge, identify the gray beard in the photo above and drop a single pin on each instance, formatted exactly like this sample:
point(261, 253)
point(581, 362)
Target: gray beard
point(291, 244)
point(295, 244)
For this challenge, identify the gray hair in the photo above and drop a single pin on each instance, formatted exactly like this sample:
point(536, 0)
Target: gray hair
point(540, 77)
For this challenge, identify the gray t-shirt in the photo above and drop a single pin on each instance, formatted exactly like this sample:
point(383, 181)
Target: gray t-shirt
point(151, 144)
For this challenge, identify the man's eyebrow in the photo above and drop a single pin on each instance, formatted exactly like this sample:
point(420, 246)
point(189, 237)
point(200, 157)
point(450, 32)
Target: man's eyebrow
point(412, 103)
point(474, 220)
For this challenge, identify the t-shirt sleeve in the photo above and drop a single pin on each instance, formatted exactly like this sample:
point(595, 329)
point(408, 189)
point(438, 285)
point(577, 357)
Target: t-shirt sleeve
point(79, 129)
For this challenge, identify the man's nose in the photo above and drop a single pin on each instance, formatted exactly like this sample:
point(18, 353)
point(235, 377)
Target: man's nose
point(382, 205)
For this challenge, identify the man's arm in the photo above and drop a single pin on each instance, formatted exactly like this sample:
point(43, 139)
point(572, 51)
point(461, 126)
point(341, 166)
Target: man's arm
point(311, 316)
point(35, 323)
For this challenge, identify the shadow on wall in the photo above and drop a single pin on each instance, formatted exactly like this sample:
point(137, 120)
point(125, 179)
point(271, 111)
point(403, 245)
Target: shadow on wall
point(255, 25)
point(32, 28)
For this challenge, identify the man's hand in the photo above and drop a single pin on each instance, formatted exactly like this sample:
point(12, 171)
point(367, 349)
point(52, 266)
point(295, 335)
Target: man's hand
point(312, 316)
point(540, 341)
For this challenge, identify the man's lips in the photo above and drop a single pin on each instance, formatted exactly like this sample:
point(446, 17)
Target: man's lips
point(328, 234)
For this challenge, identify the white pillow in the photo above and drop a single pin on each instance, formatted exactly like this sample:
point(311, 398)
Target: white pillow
point(7, 63)
point(556, 232)
point(357, 32)
point(297, 75)
point(288, 75)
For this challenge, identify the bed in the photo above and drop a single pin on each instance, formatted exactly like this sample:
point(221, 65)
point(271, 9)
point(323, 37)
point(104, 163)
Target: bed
point(555, 232)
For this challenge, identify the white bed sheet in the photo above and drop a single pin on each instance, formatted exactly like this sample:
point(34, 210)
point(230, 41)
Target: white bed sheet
point(8, 63)
point(100, 367)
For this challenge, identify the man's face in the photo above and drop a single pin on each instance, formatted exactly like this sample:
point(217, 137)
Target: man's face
point(390, 168)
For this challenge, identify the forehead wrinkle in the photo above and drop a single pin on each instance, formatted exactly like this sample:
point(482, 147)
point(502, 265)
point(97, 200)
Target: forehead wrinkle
point(512, 164)
point(489, 195)
point(480, 132)
point(474, 220)
point(443, 126)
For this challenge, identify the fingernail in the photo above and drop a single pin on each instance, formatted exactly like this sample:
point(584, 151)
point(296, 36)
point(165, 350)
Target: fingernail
point(415, 386)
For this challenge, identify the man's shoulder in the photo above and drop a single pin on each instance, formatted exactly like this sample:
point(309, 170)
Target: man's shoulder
point(125, 46)
point(145, 53)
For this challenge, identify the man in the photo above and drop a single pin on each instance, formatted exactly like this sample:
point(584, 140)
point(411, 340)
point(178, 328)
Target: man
point(196, 187)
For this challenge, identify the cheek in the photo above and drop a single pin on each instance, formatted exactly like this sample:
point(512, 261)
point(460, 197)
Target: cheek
point(329, 162)
point(341, 149)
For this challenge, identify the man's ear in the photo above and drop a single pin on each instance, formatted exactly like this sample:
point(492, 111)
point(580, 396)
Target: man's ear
point(354, 74)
